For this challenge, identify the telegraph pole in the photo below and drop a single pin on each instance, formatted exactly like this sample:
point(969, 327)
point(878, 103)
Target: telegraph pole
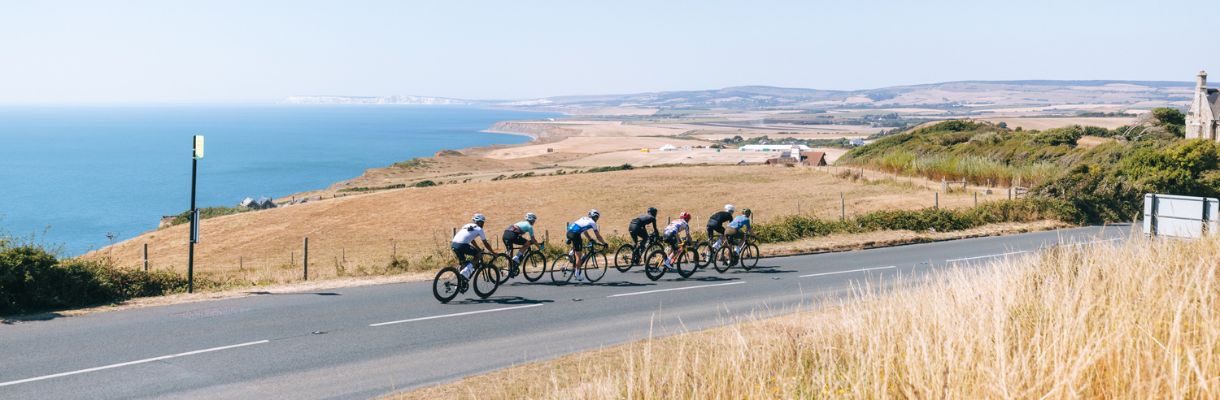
point(196, 154)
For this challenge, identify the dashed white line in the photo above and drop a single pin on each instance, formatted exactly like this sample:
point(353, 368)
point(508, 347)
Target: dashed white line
point(454, 315)
point(849, 271)
point(988, 256)
point(129, 363)
point(672, 289)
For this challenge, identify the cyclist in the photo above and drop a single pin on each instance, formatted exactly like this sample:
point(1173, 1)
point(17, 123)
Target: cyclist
point(576, 234)
point(682, 224)
point(638, 228)
point(741, 223)
point(463, 243)
point(716, 224)
point(514, 235)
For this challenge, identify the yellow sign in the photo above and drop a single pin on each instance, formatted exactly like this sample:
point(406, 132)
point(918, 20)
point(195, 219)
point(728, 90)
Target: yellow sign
point(198, 147)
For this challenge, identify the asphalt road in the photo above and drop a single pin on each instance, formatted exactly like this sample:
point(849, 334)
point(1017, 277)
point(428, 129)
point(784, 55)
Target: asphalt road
point(368, 341)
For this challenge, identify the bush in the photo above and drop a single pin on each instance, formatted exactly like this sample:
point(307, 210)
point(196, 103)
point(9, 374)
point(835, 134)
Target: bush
point(32, 279)
point(623, 167)
point(207, 212)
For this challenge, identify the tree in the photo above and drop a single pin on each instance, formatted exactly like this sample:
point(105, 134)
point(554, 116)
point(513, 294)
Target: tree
point(1168, 116)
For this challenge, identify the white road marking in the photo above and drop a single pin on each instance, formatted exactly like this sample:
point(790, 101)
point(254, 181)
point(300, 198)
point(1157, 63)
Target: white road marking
point(144, 361)
point(847, 272)
point(990, 256)
point(672, 289)
point(454, 315)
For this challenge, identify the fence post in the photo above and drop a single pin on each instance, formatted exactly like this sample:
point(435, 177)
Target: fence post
point(145, 257)
point(393, 249)
point(976, 199)
point(306, 262)
point(842, 208)
point(936, 201)
point(1010, 193)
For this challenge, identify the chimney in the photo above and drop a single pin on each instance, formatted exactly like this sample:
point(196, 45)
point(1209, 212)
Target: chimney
point(1202, 79)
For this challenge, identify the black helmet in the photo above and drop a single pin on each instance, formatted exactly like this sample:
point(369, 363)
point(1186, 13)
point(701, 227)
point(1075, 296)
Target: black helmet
point(652, 211)
point(747, 212)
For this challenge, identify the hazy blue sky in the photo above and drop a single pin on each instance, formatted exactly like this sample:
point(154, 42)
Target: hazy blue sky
point(221, 51)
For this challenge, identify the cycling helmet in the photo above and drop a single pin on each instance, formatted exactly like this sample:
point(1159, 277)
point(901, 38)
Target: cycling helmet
point(478, 218)
point(685, 216)
point(747, 212)
point(594, 214)
point(729, 207)
point(652, 211)
point(531, 217)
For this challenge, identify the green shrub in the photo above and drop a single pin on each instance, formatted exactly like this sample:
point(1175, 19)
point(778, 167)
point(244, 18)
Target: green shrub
point(623, 167)
point(207, 212)
point(32, 279)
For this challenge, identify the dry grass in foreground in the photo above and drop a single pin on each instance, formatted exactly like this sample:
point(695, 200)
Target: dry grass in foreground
point(1136, 321)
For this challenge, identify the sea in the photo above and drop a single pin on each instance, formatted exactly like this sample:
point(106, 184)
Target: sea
point(76, 178)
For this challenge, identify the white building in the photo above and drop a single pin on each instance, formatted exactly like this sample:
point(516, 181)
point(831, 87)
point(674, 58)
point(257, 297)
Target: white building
point(1203, 120)
point(775, 147)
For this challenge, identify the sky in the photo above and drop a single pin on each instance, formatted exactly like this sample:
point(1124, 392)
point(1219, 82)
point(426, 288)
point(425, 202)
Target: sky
point(68, 52)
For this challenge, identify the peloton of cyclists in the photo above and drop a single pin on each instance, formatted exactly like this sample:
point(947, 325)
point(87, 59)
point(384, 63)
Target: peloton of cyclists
point(514, 236)
point(682, 224)
point(715, 224)
point(463, 243)
point(577, 232)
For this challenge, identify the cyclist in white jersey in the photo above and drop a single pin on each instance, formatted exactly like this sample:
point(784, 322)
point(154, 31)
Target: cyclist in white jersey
point(682, 224)
point(577, 233)
point(463, 243)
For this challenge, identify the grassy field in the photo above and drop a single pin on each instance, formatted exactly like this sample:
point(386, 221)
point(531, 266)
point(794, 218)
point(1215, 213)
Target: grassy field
point(409, 229)
point(1136, 321)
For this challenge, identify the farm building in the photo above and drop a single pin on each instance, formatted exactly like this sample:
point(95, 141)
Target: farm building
point(813, 158)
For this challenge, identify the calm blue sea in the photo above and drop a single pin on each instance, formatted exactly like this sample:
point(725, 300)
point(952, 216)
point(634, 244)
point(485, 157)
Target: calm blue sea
point(70, 175)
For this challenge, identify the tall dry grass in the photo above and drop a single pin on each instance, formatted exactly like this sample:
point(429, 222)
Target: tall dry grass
point(1137, 321)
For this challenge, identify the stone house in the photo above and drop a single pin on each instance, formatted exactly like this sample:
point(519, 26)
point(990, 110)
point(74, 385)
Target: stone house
point(1203, 120)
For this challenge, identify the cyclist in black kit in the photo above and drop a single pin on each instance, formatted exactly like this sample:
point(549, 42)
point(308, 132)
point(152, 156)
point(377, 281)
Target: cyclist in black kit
point(716, 224)
point(639, 226)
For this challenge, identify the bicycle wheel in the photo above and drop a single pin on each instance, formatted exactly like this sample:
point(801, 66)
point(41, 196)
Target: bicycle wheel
point(704, 253)
point(688, 263)
point(595, 267)
point(562, 269)
point(724, 259)
point(654, 265)
point(446, 283)
point(501, 263)
point(533, 267)
point(623, 258)
point(485, 281)
point(749, 256)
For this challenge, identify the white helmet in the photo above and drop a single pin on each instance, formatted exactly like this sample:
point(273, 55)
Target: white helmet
point(478, 218)
point(729, 207)
point(594, 214)
point(531, 217)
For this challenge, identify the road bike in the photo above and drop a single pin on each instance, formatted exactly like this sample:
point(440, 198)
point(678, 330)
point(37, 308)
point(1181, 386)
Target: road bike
point(630, 255)
point(593, 267)
point(529, 262)
point(746, 254)
point(685, 261)
point(709, 254)
point(450, 282)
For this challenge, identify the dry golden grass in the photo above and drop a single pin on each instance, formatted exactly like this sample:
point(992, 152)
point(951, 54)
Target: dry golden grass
point(1137, 321)
point(359, 235)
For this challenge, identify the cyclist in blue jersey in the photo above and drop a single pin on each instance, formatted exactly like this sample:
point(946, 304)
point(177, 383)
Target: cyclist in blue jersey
point(739, 227)
point(514, 236)
point(577, 233)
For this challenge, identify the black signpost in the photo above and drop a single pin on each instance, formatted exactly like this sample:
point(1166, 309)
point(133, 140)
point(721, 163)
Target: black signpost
point(196, 154)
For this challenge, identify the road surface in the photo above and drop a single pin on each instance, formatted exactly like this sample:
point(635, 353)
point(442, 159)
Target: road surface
point(367, 341)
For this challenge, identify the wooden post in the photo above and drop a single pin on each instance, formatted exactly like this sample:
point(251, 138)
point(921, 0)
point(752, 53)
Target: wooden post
point(842, 208)
point(145, 257)
point(976, 199)
point(936, 202)
point(306, 262)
